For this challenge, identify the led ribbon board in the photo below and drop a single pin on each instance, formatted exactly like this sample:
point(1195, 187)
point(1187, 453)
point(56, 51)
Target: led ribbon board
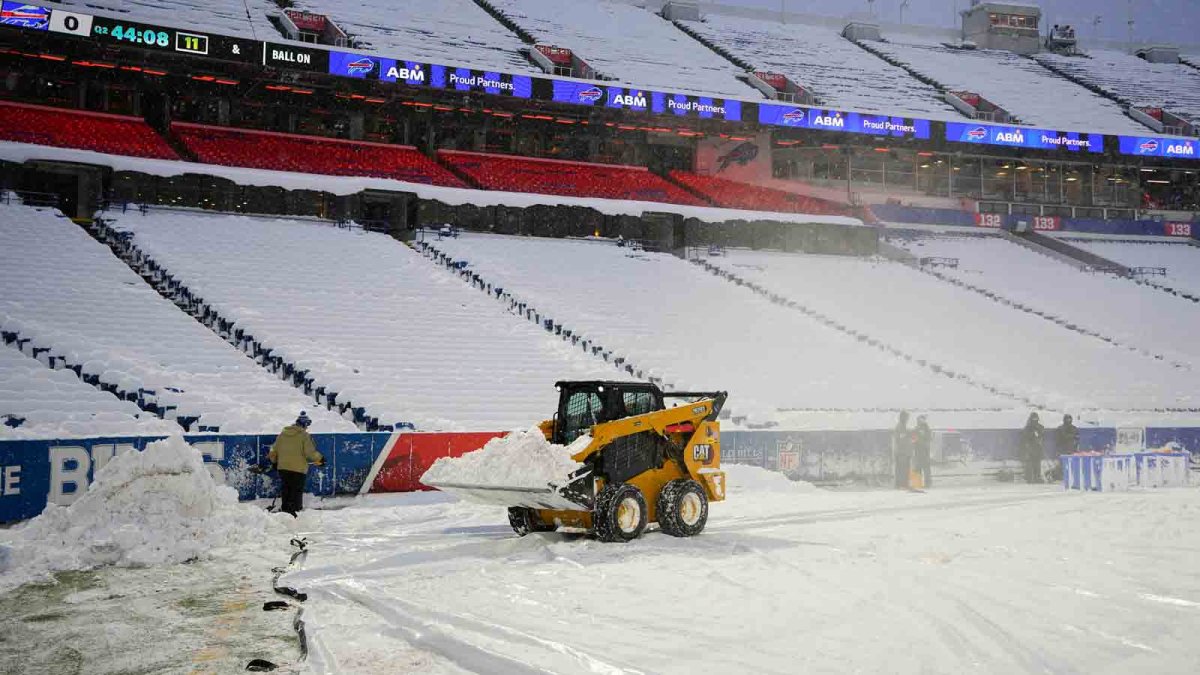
point(1150, 146)
point(642, 100)
point(841, 121)
point(21, 15)
point(1023, 137)
point(361, 66)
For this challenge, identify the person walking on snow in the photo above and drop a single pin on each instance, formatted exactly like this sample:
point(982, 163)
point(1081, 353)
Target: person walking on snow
point(1067, 437)
point(291, 453)
point(922, 440)
point(1031, 448)
point(902, 450)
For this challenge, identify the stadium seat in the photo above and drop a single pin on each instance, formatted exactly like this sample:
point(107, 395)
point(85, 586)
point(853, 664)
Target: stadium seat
point(734, 195)
point(308, 154)
point(100, 132)
point(573, 179)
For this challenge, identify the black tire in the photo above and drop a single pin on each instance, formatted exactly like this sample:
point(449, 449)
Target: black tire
point(525, 520)
point(682, 508)
point(620, 514)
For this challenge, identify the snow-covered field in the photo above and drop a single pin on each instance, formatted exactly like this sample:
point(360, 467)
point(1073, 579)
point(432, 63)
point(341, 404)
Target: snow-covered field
point(787, 578)
point(161, 572)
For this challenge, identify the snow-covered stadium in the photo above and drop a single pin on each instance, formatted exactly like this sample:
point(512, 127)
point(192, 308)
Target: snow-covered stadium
point(534, 336)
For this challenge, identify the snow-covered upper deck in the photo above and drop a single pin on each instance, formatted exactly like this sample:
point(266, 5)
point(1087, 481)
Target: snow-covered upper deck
point(629, 44)
point(840, 73)
point(453, 32)
point(1173, 86)
point(1035, 95)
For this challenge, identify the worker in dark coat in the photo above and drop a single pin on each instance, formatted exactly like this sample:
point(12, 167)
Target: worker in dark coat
point(1067, 437)
point(902, 450)
point(922, 440)
point(1031, 448)
point(291, 453)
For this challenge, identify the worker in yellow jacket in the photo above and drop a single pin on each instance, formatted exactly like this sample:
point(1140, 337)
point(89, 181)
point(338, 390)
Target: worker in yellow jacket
point(291, 453)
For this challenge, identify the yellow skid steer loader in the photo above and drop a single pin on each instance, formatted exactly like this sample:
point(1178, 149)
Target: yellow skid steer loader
point(646, 463)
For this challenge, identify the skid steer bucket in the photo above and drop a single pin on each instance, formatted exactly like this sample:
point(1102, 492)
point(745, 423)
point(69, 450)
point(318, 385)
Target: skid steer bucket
point(573, 496)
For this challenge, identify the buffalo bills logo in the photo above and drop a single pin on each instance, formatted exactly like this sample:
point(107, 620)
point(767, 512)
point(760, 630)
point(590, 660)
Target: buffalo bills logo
point(360, 67)
point(25, 16)
point(591, 95)
point(977, 134)
point(795, 116)
point(741, 155)
point(1148, 147)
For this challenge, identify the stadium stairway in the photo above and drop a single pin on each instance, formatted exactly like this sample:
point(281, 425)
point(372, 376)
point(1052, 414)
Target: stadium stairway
point(1086, 260)
point(263, 354)
point(928, 266)
point(861, 44)
point(932, 366)
point(1099, 91)
point(507, 22)
point(462, 269)
point(144, 399)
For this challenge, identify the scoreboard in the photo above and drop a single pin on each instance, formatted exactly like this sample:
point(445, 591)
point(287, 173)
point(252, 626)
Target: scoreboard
point(118, 31)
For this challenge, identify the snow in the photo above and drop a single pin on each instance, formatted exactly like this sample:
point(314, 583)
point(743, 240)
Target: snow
point(340, 185)
point(156, 507)
point(629, 44)
point(369, 318)
point(1035, 95)
point(1136, 316)
point(1181, 260)
point(521, 459)
point(56, 404)
point(450, 32)
point(1173, 86)
point(700, 333)
point(840, 73)
point(65, 291)
point(992, 578)
point(743, 481)
point(972, 334)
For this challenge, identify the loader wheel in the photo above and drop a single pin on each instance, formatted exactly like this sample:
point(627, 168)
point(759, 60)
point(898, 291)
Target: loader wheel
point(682, 508)
point(620, 513)
point(525, 520)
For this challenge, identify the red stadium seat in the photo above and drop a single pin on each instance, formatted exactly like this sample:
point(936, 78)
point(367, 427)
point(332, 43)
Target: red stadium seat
point(572, 179)
point(311, 154)
point(734, 195)
point(100, 132)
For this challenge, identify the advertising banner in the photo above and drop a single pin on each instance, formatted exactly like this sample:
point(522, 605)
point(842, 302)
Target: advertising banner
point(842, 121)
point(747, 160)
point(1022, 137)
point(1176, 148)
point(661, 103)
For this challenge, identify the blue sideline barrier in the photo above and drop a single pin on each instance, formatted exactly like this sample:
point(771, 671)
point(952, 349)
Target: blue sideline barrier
point(35, 472)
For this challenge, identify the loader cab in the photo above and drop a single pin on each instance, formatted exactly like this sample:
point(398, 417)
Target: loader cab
point(582, 405)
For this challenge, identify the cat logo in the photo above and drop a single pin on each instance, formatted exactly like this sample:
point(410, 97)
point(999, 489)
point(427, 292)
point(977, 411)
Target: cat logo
point(702, 452)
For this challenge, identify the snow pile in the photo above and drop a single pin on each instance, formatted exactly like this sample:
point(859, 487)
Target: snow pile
point(156, 507)
point(522, 459)
point(744, 479)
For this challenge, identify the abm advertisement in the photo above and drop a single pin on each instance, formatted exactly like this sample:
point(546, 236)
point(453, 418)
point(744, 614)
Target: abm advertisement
point(1022, 137)
point(1186, 148)
point(838, 120)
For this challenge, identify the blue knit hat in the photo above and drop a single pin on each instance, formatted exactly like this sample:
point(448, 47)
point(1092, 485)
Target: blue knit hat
point(303, 420)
